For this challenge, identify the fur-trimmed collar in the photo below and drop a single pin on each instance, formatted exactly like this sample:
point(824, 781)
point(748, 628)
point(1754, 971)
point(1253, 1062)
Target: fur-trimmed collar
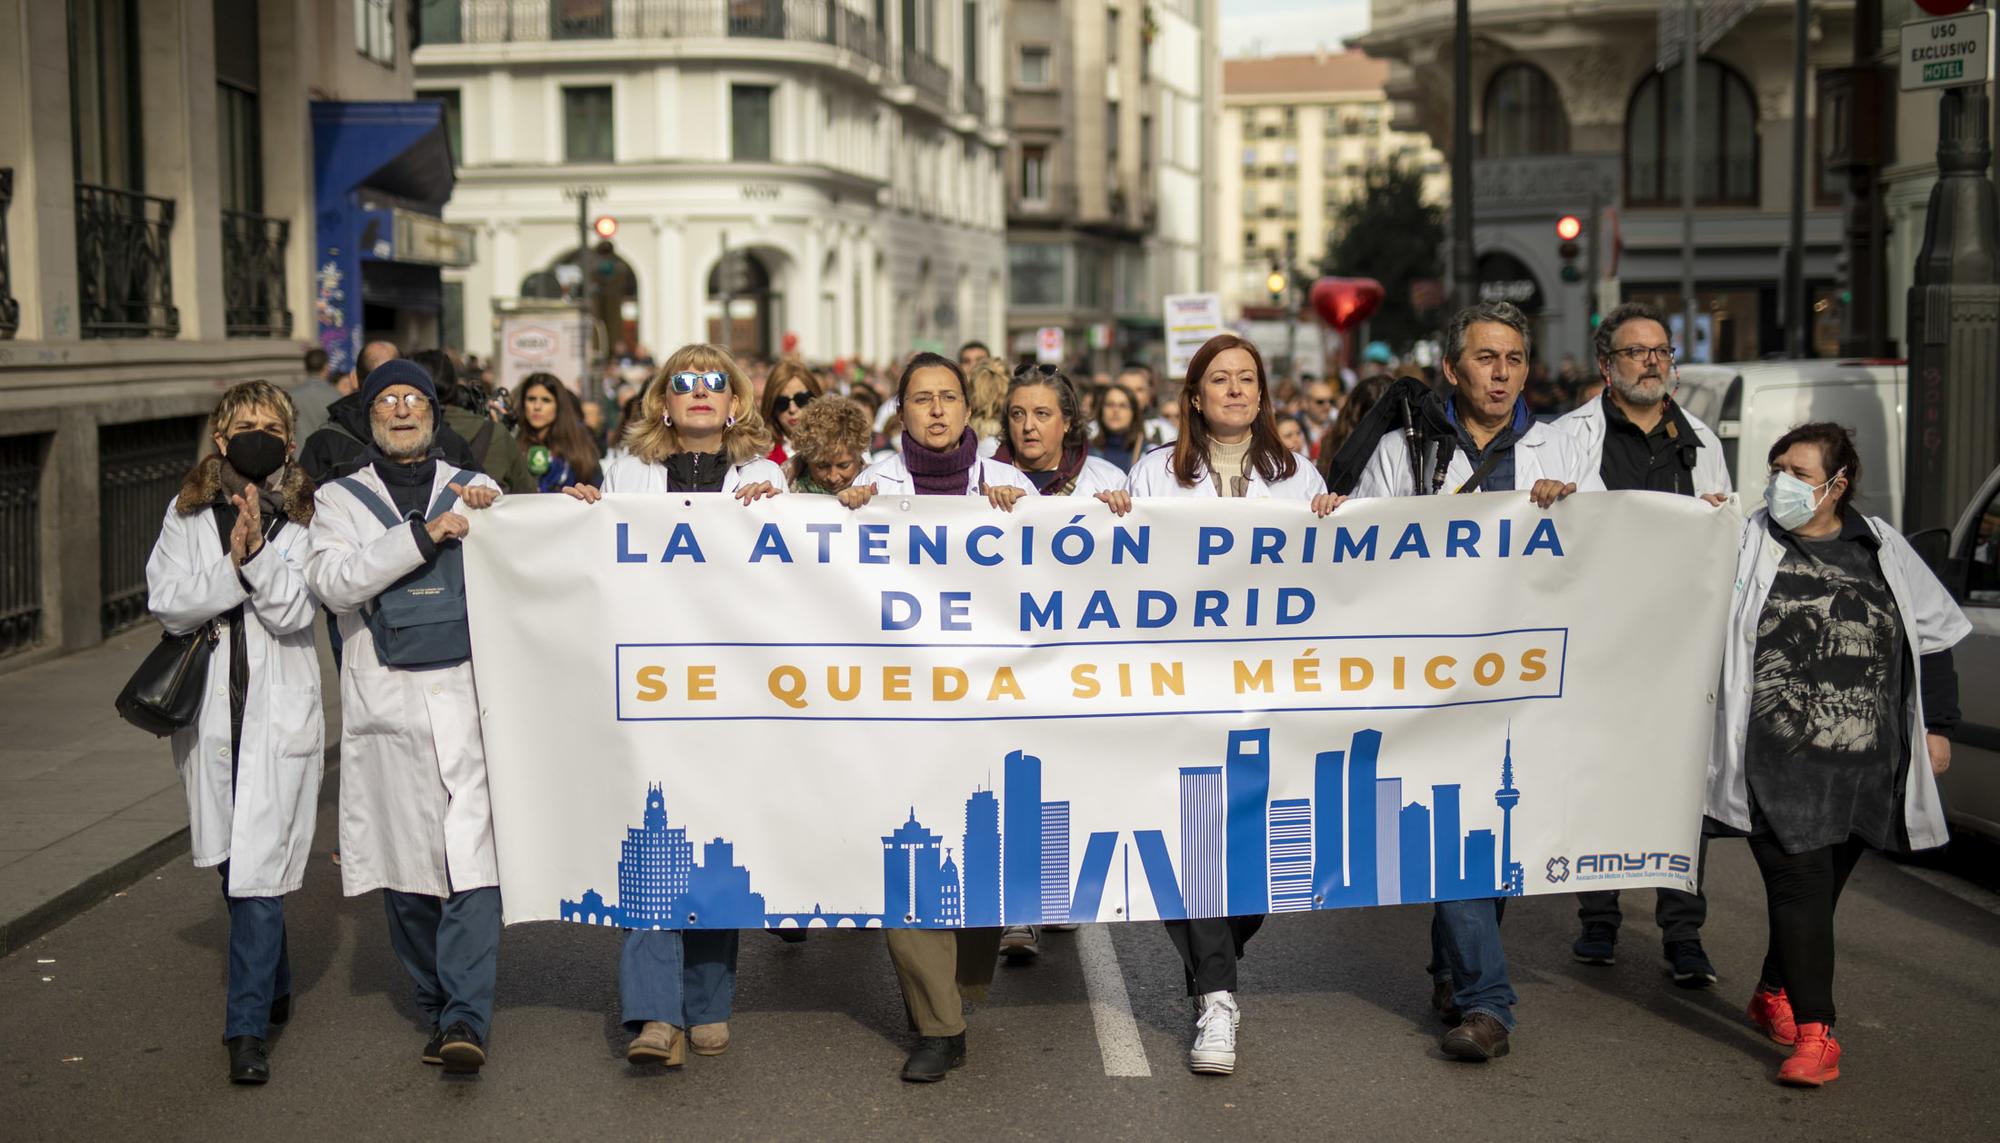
point(204, 484)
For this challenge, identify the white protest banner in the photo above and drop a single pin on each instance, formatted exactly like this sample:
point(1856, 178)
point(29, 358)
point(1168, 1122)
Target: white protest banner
point(933, 713)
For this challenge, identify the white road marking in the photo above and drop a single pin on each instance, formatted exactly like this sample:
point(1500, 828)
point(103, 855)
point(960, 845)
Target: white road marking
point(1956, 886)
point(1110, 1006)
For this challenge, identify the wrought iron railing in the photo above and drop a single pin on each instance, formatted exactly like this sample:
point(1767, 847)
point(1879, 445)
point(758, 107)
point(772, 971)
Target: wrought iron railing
point(254, 298)
point(139, 467)
point(10, 310)
point(20, 542)
point(926, 75)
point(531, 21)
point(124, 269)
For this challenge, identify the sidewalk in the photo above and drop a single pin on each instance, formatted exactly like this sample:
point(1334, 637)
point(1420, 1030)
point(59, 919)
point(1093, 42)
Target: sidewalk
point(87, 803)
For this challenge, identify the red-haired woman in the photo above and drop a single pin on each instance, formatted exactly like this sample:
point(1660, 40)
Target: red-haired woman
point(1228, 449)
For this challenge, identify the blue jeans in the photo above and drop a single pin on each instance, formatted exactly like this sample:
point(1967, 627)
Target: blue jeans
point(450, 946)
point(681, 977)
point(1465, 950)
point(260, 962)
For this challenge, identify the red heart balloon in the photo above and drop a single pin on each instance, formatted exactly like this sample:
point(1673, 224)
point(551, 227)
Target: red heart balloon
point(1344, 303)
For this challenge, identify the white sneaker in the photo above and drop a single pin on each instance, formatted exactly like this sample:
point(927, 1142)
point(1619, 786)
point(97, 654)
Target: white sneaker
point(1017, 943)
point(1214, 1050)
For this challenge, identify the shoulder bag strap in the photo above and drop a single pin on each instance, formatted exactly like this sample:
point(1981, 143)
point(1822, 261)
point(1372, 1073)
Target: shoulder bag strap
point(382, 510)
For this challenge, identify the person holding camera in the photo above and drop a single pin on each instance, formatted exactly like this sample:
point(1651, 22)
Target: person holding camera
point(466, 413)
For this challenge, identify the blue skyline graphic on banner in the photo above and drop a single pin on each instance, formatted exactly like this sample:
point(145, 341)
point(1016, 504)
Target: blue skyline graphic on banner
point(1355, 842)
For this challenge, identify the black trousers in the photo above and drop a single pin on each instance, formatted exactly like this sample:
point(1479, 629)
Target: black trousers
point(1801, 891)
point(1679, 914)
point(1209, 948)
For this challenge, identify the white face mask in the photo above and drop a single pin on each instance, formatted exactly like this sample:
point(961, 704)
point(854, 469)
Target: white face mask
point(1792, 501)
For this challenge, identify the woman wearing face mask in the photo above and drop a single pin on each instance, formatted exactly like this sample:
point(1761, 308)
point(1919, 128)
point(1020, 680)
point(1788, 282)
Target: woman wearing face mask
point(940, 970)
point(1120, 437)
point(1838, 696)
point(553, 436)
point(232, 550)
point(788, 392)
point(698, 432)
point(1228, 449)
point(829, 447)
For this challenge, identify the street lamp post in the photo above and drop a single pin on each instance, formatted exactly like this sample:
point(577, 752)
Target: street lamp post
point(582, 195)
point(1462, 286)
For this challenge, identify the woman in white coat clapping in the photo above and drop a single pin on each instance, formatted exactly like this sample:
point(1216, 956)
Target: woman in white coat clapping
point(1228, 449)
point(698, 432)
point(232, 552)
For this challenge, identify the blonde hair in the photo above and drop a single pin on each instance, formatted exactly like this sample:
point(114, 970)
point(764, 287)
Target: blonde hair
point(252, 395)
point(653, 440)
point(986, 399)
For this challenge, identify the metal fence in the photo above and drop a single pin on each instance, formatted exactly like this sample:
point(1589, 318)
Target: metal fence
point(124, 270)
point(10, 310)
point(534, 21)
point(21, 542)
point(253, 275)
point(140, 466)
point(926, 75)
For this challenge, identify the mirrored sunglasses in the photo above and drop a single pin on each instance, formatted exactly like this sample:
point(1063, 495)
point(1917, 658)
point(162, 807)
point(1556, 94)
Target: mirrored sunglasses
point(713, 381)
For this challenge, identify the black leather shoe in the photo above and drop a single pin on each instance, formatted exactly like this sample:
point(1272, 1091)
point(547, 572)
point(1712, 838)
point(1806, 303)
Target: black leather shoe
point(933, 1057)
point(247, 1061)
point(1479, 1039)
point(281, 1010)
point(461, 1051)
point(434, 1048)
point(1441, 993)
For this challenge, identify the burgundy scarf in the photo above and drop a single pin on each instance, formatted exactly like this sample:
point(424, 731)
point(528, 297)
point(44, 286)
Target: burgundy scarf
point(1064, 481)
point(941, 473)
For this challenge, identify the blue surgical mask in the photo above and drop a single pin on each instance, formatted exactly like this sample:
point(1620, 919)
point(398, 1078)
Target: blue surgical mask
point(1792, 501)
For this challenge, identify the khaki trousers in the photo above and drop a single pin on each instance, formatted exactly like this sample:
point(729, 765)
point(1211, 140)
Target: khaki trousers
point(941, 970)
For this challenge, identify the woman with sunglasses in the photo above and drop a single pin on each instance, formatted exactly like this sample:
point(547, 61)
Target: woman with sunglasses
point(698, 431)
point(1228, 449)
point(553, 435)
point(940, 970)
point(787, 391)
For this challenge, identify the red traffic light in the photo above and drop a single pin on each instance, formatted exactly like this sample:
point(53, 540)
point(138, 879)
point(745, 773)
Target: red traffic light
point(605, 226)
point(1568, 227)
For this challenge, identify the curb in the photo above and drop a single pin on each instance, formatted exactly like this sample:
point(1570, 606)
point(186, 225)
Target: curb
point(21, 931)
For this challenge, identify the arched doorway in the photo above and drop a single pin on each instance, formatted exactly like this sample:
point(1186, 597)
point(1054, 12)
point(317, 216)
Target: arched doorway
point(739, 289)
point(613, 294)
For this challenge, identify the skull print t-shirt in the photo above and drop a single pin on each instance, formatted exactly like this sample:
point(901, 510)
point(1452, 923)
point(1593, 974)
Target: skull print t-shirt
point(1826, 737)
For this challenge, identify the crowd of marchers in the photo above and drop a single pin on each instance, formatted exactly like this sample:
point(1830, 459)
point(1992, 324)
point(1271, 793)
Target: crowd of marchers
point(1837, 698)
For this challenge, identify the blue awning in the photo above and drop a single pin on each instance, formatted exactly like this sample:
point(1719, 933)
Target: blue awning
point(398, 148)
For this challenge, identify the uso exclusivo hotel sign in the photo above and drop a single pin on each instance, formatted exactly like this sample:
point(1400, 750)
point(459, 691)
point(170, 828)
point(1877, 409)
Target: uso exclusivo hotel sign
point(1950, 52)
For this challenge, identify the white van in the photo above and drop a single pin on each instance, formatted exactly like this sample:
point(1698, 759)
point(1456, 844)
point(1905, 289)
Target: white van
point(1751, 404)
point(1971, 788)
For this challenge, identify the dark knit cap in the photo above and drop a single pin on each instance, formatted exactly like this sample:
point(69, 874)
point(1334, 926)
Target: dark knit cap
point(397, 372)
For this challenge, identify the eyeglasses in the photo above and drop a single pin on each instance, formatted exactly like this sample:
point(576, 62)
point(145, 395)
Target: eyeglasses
point(942, 398)
point(1642, 354)
point(795, 401)
point(414, 402)
point(714, 381)
point(1036, 369)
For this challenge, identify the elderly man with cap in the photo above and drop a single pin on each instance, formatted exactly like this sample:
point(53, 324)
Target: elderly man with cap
point(415, 819)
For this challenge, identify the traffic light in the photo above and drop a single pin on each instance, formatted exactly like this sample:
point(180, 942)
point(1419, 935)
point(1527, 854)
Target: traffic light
point(1276, 284)
point(1568, 228)
point(605, 226)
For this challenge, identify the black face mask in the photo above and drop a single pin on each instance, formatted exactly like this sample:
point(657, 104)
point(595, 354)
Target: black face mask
point(255, 453)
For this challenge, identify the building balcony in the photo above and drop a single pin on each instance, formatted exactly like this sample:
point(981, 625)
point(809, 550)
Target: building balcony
point(1054, 204)
point(975, 98)
point(928, 76)
point(547, 21)
point(124, 268)
point(10, 310)
point(253, 275)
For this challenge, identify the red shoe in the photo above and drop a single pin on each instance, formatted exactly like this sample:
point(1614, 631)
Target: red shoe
point(1815, 1059)
point(1772, 1013)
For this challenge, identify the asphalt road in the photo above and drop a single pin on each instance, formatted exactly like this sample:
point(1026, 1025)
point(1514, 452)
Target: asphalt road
point(110, 1027)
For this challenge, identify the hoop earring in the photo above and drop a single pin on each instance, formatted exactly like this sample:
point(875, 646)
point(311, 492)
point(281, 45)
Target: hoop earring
point(667, 419)
point(730, 423)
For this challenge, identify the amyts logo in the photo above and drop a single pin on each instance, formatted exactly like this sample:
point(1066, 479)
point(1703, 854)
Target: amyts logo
point(1605, 866)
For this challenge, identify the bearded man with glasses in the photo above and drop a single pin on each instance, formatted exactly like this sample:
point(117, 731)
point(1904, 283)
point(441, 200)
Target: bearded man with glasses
point(1637, 438)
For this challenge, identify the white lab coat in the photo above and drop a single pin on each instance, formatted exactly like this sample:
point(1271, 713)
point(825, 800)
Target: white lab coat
point(1585, 424)
point(891, 477)
point(630, 474)
point(1542, 453)
point(262, 823)
point(1153, 475)
point(1932, 622)
point(414, 811)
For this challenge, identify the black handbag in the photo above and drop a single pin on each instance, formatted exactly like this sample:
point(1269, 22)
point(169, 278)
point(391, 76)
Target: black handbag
point(164, 694)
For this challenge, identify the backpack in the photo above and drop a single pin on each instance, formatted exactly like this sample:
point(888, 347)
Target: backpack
point(419, 621)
